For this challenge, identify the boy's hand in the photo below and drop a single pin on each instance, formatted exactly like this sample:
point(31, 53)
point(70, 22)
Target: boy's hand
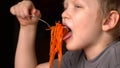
point(24, 11)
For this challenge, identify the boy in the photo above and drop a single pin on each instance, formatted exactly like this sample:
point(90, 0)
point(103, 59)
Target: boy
point(92, 41)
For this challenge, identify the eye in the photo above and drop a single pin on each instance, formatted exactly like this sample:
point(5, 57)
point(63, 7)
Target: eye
point(77, 6)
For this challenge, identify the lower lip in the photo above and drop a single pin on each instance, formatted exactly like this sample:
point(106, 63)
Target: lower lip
point(67, 36)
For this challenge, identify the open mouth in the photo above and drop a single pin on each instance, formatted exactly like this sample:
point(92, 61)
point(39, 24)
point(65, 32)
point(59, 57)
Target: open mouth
point(67, 28)
point(68, 34)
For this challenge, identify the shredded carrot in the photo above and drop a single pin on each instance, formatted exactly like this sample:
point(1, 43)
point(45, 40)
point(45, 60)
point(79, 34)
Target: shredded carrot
point(57, 33)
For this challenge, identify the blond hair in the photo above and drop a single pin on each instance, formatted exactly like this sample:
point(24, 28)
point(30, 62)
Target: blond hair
point(108, 5)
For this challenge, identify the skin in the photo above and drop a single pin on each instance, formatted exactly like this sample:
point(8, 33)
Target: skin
point(88, 30)
point(81, 16)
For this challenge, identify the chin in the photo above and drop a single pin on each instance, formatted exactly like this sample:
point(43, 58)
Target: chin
point(73, 47)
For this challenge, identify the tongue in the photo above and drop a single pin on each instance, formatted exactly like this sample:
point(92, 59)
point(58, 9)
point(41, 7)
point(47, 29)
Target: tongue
point(67, 36)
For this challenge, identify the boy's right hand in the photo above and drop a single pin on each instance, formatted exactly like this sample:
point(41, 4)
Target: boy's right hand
point(23, 11)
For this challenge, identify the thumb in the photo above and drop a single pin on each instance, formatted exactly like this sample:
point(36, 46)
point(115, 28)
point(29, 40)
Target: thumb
point(36, 12)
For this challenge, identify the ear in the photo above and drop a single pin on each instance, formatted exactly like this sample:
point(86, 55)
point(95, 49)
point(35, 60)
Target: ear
point(111, 21)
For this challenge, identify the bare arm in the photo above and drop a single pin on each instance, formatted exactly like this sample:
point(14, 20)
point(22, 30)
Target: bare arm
point(25, 56)
point(43, 65)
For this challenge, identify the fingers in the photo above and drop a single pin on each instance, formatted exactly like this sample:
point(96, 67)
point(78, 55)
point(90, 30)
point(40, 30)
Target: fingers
point(36, 13)
point(22, 9)
point(12, 10)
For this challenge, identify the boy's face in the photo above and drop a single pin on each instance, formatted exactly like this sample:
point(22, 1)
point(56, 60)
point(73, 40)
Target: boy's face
point(81, 16)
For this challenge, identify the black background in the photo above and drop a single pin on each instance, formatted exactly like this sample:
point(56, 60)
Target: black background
point(9, 28)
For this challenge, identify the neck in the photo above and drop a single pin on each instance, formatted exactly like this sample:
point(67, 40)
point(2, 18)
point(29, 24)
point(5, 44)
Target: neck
point(98, 47)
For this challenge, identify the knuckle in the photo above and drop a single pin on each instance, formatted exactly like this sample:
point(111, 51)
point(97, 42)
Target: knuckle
point(12, 10)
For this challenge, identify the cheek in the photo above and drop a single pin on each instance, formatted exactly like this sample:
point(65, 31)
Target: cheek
point(85, 32)
point(85, 21)
point(82, 24)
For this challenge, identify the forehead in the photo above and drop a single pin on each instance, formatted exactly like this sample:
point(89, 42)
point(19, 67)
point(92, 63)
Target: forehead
point(84, 2)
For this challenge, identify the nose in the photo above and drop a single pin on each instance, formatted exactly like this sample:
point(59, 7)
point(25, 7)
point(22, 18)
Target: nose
point(65, 14)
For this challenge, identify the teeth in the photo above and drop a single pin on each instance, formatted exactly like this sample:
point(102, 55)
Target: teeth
point(67, 28)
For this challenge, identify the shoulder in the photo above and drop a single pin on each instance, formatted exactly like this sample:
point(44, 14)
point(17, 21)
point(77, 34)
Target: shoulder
point(117, 48)
point(117, 51)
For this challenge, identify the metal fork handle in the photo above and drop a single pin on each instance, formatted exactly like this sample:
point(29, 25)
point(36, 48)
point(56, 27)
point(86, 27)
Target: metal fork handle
point(41, 20)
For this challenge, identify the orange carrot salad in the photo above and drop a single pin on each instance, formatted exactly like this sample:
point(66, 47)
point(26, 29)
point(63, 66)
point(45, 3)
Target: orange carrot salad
point(57, 33)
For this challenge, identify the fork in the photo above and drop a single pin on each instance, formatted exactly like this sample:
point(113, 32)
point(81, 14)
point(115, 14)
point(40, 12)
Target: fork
point(41, 20)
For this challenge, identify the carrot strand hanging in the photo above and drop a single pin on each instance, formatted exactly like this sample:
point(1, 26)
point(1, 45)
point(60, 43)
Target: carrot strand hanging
point(57, 33)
